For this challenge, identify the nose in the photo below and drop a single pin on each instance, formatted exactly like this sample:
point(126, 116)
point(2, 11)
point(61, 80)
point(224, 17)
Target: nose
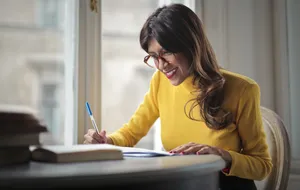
point(162, 63)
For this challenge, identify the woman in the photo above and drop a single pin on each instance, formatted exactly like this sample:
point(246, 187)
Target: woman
point(203, 109)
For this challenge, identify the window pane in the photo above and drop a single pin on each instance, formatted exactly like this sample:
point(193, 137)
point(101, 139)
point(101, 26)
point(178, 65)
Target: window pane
point(125, 78)
point(178, 1)
point(32, 59)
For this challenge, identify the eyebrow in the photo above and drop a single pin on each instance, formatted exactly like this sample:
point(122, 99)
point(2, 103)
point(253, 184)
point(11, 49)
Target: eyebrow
point(161, 49)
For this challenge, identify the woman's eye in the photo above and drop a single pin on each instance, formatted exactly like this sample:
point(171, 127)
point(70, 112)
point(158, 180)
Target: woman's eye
point(166, 53)
point(154, 56)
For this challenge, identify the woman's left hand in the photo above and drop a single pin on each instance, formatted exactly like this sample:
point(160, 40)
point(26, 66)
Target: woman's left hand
point(194, 148)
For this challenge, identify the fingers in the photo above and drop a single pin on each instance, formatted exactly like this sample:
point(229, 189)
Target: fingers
point(102, 133)
point(204, 150)
point(90, 140)
point(178, 149)
point(194, 149)
point(97, 137)
point(92, 137)
point(91, 132)
point(182, 148)
point(208, 150)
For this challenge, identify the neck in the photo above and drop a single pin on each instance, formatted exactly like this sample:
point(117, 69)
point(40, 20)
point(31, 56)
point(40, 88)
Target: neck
point(187, 84)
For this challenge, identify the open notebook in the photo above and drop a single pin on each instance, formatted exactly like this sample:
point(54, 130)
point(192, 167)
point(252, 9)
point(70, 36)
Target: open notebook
point(141, 152)
point(93, 152)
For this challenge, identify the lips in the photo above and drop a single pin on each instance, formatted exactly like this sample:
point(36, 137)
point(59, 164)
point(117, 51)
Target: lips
point(170, 73)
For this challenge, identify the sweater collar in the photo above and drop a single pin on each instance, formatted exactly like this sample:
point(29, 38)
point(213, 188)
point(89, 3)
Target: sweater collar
point(187, 84)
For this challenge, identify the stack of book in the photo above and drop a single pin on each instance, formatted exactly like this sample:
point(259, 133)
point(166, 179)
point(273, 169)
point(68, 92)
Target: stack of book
point(20, 128)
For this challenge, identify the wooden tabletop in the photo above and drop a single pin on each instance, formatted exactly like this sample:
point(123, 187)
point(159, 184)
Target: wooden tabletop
point(107, 172)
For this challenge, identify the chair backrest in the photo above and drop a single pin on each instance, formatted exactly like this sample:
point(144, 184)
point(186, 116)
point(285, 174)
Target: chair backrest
point(279, 146)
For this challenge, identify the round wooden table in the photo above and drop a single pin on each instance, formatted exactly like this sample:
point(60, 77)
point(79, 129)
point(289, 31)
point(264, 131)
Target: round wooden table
point(187, 172)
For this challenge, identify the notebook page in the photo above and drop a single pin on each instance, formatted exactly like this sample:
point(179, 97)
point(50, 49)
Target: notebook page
point(130, 151)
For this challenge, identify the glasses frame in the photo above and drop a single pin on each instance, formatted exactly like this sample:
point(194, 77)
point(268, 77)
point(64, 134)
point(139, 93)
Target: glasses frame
point(159, 56)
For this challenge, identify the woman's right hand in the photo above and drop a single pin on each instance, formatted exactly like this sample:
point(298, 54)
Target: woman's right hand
point(92, 137)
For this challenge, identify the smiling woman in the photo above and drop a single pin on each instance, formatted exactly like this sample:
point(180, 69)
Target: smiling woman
point(182, 34)
point(203, 108)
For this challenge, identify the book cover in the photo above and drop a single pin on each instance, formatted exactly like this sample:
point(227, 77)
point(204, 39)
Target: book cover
point(75, 153)
point(15, 119)
point(14, 155)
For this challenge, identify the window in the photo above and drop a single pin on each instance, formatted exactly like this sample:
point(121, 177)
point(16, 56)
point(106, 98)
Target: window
point(48, 106)
point(50, 13)
point(36, 63)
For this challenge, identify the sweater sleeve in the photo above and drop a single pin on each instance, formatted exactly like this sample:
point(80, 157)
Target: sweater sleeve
point(142, 120)
point(254, 161)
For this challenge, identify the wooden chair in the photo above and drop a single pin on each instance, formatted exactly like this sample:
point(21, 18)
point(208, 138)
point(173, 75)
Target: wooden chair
point(279, 146)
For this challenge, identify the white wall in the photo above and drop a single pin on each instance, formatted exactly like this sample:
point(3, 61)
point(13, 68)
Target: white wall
point(293, 16)
point(241, 34)
point(260, 39)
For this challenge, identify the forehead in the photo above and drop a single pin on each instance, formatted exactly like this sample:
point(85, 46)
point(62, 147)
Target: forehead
point(154, 46)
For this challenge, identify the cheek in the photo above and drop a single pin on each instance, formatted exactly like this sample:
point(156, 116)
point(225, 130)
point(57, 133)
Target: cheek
point(178, 63)
point(184, 67)
point(182, 63)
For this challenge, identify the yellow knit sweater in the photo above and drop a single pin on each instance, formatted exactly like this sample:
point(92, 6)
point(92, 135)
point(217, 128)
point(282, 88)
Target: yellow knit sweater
point(242, 98)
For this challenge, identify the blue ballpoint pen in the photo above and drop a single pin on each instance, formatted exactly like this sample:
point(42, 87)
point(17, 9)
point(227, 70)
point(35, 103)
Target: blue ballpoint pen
point(91, 116)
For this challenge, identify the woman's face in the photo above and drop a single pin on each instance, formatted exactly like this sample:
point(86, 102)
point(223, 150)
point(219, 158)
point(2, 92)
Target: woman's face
point(175, 67)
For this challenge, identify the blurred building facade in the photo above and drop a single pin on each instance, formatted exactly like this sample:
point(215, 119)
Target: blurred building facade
point(31, 58)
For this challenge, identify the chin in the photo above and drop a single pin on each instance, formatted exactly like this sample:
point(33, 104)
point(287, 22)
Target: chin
point(175, 83)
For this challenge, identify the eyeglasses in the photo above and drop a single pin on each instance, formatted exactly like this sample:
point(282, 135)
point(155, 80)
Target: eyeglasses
point(153, 60)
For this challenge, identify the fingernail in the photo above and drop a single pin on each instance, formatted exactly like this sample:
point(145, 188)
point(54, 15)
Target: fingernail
point(197, 153)
point(181, 153)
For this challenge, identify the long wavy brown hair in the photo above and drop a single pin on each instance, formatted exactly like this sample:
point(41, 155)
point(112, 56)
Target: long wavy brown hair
point(179, 30)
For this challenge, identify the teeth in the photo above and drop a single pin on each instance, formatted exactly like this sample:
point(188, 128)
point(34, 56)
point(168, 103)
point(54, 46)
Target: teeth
point(171, 72)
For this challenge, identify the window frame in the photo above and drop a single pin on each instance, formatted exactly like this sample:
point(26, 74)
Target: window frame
point(70, 75)
point(88, 67)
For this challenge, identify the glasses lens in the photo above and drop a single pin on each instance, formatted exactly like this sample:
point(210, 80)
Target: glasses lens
point(168, 56)
point(151, 62)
